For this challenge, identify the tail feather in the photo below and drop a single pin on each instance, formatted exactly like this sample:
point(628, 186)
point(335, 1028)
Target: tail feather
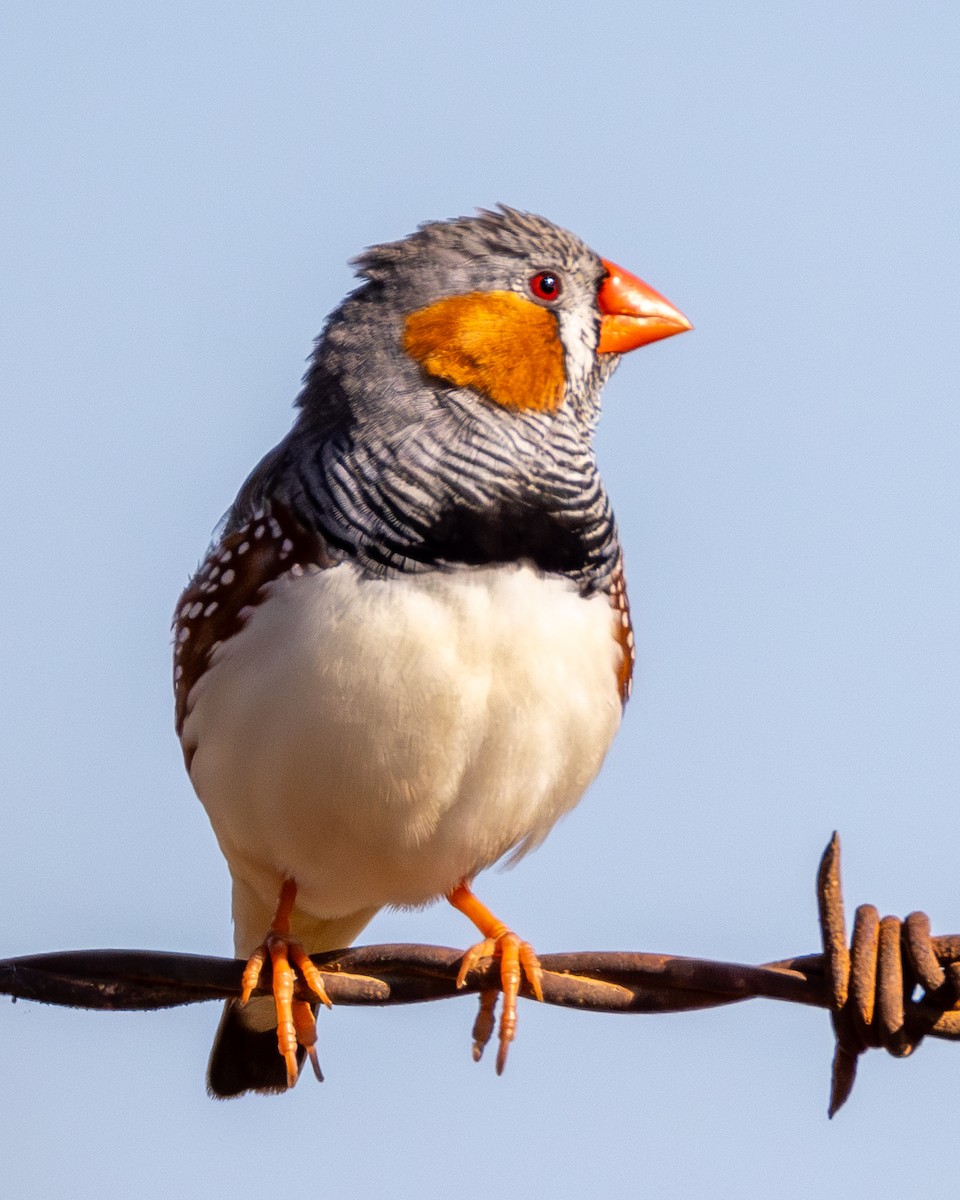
point(244, 1059)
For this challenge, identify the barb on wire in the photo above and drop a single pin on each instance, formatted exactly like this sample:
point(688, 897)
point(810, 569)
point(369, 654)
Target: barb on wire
point(893, 987)
point(895, 984)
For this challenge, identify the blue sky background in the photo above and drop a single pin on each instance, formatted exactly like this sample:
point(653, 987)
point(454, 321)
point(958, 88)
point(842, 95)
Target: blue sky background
point(183, 185)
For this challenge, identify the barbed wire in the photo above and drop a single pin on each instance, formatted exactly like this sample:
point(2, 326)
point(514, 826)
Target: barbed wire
point(892, 986)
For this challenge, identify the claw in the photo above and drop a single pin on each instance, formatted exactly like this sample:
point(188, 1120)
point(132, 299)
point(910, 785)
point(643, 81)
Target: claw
point(482, 950)
point(486, 1019)
point(518, 961)
point(296, 1026)
point(306, 1028)
point(251, 973)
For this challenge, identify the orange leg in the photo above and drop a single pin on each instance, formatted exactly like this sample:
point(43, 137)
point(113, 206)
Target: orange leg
point(295, 1023)
point(517, 961)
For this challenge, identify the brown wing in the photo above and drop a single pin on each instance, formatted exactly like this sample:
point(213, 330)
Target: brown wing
point(228, 586)
point(623, 631)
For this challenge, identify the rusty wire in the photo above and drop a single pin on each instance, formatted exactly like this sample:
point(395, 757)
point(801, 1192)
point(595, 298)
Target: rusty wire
point(894, 985)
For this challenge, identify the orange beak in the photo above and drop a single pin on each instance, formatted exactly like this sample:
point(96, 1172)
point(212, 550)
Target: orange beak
point(633, 314)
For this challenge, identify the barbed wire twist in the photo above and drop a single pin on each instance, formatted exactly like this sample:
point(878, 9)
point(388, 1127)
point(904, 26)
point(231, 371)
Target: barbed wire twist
point(894, 985)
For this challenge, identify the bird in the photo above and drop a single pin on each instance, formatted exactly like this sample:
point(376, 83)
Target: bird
point(408, 648)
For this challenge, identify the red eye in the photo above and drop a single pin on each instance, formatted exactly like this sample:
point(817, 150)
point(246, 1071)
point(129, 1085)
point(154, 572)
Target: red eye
point(546, 285)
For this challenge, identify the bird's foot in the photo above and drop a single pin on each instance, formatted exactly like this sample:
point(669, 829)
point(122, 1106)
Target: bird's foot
point(296, 1025)
point(518, 961)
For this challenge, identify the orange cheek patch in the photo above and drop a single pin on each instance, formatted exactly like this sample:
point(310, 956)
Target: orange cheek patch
point(494, 342)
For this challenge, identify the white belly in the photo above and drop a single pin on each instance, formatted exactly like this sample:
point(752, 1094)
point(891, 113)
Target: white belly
point(380, 741)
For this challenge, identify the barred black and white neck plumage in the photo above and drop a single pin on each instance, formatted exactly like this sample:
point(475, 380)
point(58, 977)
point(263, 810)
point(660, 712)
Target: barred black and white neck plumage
point(407, 653)
point(447, 478)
